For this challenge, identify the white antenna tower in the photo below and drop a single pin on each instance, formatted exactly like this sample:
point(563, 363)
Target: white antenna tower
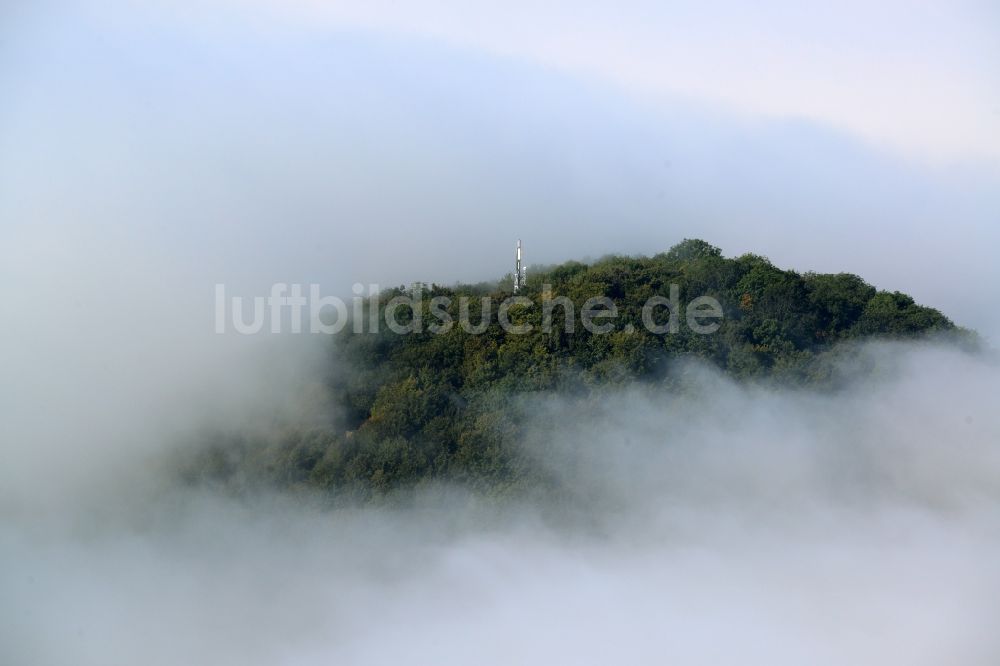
point(519, 276)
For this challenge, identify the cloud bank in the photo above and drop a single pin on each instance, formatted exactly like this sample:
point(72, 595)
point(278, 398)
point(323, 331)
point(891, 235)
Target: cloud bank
point(725, 525)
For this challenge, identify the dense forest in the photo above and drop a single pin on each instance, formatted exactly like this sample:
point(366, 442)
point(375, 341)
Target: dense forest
point(409, 409)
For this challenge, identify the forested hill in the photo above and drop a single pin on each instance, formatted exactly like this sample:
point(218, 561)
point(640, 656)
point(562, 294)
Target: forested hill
point(443, 405)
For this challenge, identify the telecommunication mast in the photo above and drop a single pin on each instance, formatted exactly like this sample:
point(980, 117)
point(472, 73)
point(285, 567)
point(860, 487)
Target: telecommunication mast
point(518, 268)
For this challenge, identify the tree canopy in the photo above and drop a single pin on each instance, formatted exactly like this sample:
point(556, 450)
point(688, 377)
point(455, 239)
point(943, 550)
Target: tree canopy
point(425, 406)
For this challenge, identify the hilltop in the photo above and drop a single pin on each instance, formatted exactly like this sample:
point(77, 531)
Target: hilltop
point(443, 405)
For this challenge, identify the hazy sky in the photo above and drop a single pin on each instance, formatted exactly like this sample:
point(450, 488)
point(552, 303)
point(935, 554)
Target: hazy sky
point(256, 142)
point(918, 77)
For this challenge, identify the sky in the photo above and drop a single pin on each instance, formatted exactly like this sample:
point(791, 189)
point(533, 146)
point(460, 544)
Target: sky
point(255, 142)
point(918, 77)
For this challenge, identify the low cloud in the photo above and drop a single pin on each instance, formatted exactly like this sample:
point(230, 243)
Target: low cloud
point(715, 524)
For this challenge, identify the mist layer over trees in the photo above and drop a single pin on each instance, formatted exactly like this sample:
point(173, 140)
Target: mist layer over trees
point(815, 481)
point(730, 524)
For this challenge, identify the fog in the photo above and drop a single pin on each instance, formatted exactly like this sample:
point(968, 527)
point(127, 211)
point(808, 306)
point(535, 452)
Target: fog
point(725, 524)
point(148, 153)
